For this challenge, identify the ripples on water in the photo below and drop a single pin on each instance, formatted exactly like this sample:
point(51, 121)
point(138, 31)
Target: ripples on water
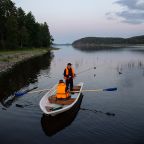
point(90, 122)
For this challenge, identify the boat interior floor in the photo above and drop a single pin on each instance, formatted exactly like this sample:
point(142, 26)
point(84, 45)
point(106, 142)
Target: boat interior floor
point(52, 99)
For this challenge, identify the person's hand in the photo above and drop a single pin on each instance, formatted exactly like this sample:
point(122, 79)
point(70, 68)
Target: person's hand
point(68, 90)
point(74, 75)
point(69, 77)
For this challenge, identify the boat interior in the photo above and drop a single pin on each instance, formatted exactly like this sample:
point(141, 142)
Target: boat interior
point(67, 101)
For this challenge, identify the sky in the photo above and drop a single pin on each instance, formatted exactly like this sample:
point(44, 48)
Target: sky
point(70, 20)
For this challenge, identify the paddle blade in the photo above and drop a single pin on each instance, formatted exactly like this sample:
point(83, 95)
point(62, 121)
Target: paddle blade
point(20, 93)
point(110, 89)
point(24, 92)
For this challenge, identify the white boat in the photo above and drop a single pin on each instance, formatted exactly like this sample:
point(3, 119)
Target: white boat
point(50, 105)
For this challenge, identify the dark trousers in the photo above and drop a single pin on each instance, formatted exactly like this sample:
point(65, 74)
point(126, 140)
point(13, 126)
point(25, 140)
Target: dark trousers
point(69, 82)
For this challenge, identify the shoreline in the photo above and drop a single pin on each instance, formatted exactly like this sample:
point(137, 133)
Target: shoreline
point(10, 58)
point(93, 45)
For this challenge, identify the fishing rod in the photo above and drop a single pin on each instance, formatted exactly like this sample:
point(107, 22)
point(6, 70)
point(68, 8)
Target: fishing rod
point(86, 70)
point(76, 73)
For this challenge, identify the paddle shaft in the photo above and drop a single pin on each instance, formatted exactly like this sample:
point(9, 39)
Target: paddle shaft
point(70, 91)
point(88, 90)
point(39, 91)
point(97, 90)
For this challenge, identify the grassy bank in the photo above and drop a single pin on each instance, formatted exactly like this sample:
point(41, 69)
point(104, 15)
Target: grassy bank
point(9, 58)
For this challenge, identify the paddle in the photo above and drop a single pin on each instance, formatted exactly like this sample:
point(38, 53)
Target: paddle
point(24, 92)
point(39, 91)
point(29, 91)
point(97, 90)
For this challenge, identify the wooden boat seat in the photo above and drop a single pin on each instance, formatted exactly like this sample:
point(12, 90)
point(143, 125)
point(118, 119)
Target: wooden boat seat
point(54, 100)
point(76, 88)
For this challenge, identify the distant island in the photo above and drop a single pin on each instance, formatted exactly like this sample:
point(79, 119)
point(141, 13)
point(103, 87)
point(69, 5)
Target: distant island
point(105, 42)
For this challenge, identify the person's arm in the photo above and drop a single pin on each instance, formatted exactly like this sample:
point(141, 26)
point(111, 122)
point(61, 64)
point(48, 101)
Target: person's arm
point(64, 73)
point(65, 76)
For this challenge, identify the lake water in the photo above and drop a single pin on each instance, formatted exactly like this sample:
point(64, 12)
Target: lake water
point(115, 117)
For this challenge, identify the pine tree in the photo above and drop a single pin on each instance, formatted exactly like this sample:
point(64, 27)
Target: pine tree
point(30, 25)
point(8, 24)
point(23, 35)
point(18, 29)
point(2, 24)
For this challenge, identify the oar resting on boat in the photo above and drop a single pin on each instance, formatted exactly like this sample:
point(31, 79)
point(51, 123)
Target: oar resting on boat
point(93, 90)
point(97, 90)
point(50, 105)
point(24, 92)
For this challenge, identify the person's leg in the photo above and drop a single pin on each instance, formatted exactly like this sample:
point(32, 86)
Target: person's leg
point(67, 84)
point(71, 84)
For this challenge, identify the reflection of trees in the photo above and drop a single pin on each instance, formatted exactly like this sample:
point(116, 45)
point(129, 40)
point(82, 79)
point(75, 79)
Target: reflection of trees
point(23, 74)
point(53, 124)
point(138, 49)
point(90, 49)
point(7, 102)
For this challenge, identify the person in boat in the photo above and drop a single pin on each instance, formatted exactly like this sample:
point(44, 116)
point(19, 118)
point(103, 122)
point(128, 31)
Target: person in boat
point(62, 92)
point(69, 75)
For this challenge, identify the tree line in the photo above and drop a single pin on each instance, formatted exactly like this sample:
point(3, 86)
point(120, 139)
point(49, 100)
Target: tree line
point(107, 41)
point(20, 30)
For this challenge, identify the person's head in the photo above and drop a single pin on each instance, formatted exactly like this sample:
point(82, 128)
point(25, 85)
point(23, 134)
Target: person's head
point(69, 65)
point(61, 81)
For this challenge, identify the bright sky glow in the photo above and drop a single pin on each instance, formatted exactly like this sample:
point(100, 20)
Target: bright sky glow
point(70, 20)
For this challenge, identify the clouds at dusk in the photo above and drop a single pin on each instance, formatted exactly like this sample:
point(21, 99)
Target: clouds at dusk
point(132, 11)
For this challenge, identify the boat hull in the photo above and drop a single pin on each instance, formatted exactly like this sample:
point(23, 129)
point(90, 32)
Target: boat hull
point(53, 109)
point(54, 124)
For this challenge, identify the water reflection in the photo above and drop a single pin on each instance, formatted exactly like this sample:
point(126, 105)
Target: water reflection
point(122, 69)
point(129, 66)
point(52, 125)
point(7, 102)
point(21, 76)
point(90, 49)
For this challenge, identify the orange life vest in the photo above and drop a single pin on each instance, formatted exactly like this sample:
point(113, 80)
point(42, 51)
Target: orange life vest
point(67, 72)
point(61, 93)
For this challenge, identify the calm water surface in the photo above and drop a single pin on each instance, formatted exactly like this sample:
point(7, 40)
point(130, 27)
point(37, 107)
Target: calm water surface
point(22, 121)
